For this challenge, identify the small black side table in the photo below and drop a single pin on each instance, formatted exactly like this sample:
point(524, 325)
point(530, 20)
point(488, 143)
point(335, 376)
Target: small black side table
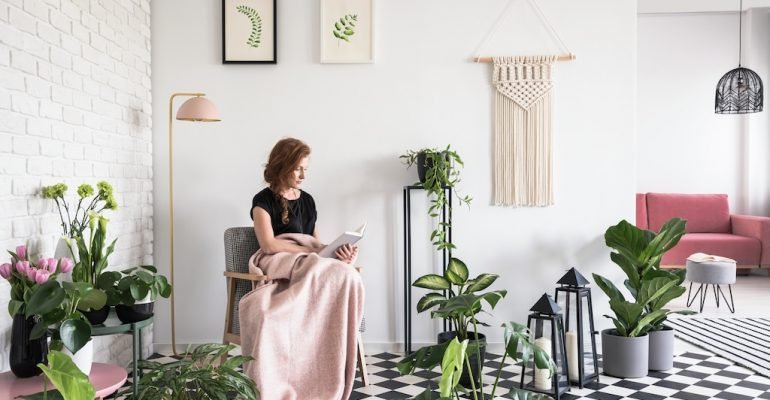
point(446, 216)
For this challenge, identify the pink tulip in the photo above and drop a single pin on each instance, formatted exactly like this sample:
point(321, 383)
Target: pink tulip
point(22, 267)
point(52, 265)
point(21, 251)
point(32, 274)
point(65, 265)
point(42, 277)
point(42, 264)
point(5, 271)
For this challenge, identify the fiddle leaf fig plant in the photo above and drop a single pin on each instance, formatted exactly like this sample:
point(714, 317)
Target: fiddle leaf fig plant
point(441, 171)
point(638, 253)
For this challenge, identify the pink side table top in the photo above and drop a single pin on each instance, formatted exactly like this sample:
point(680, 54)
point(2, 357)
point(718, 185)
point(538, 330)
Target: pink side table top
point(106, 378)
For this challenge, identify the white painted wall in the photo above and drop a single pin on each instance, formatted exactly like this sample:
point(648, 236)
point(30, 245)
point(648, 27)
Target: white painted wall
point(74, 108)
point(683, 146)
point(421, 91)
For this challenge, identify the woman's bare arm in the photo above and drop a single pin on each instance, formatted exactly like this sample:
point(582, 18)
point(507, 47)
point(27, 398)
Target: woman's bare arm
point(267, 241)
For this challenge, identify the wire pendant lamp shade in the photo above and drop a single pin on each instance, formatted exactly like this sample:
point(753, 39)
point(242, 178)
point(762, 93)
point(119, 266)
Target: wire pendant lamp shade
point(740, 91)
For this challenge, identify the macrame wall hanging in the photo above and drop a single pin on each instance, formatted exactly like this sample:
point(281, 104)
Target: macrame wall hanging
point(523, 157)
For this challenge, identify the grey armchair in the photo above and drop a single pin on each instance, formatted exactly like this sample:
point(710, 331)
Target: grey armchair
point(240, 245)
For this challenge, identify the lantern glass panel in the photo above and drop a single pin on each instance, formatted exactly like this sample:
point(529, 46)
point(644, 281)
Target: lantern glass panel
point(545, 328)
point(588, 348)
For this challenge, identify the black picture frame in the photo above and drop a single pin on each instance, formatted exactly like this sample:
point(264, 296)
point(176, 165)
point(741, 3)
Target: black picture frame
point(256, 15)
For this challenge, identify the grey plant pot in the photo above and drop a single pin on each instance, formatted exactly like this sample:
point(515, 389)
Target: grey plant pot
point(662, 349)
point(624, 357)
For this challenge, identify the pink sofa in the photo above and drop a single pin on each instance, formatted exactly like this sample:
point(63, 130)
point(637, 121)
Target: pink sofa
point(711, 229)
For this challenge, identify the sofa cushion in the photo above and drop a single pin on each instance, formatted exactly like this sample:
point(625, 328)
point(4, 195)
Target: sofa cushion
point(705, 213)
point(743, 249)
point(641, 211)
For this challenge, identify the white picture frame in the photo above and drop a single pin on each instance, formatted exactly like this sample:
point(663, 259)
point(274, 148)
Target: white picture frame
point(347, 31)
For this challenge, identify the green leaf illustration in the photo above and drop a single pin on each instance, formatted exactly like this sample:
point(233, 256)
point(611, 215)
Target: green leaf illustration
point(256, 25)
point(344, 28)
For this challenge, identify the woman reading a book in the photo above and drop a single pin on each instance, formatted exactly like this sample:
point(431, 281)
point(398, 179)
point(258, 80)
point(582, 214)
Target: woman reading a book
point(307, 315)
point(283, 207)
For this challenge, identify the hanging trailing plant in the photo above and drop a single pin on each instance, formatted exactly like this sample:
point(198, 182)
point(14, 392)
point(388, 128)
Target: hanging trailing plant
point(256, 25)
point(345, 27)
point(440, 172)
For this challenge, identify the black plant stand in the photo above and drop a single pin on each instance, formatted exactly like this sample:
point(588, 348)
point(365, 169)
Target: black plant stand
point(446, 216)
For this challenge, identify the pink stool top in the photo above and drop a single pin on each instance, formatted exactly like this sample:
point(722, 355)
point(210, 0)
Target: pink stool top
point(106, 378)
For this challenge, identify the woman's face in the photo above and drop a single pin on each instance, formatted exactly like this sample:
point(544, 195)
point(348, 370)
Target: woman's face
point(298, 174)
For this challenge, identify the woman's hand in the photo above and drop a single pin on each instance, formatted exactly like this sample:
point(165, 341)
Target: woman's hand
point(346, 253)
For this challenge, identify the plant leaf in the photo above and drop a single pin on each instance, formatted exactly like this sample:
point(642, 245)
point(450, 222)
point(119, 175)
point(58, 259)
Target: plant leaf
point(67, 378)
point(481, 282)
point(75, 334)
point(429, 300)
point(459, 268)
point(432, 282)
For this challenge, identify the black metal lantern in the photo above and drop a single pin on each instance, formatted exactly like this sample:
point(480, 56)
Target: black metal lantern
point(740, 91)
point(580, 341)
point(548, 331)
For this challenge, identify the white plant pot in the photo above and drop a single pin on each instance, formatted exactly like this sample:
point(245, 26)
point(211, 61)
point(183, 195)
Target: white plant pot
point(83, 358)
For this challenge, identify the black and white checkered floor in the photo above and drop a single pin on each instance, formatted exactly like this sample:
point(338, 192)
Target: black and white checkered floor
point(695, 376)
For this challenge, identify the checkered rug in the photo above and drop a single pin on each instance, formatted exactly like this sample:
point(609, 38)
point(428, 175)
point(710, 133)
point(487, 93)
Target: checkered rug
point(695, 376)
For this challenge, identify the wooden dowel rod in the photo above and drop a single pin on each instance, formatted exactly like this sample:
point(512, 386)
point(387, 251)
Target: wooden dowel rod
point(561, 57)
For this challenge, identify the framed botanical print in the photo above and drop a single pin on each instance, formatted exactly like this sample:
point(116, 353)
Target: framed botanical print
point(347, 31)
point(249, 31)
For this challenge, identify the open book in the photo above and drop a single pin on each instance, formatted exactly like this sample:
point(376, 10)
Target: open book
point(345, 238)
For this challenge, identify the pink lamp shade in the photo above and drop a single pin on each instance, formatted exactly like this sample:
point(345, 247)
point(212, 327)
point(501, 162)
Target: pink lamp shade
point(198, 109)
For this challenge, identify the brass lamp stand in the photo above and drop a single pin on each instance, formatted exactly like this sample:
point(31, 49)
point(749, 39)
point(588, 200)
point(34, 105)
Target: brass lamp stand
point(196, 109)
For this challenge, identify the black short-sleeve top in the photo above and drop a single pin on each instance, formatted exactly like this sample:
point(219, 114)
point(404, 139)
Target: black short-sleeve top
point(302, 212)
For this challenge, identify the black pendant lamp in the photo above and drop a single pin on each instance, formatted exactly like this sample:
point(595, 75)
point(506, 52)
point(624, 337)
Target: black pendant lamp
point(740, 91)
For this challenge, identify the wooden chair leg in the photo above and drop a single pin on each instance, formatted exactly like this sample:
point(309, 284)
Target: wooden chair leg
point(362, 362)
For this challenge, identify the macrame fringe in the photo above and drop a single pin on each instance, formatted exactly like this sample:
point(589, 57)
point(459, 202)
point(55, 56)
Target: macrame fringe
point(523, 153)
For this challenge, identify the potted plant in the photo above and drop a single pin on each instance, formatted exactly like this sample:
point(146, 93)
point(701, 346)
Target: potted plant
point(138, 289)
point(198, 375)
point(60, 306)
point(74, 220)
point(93, 253)
point(459, 352)
point(436, 172)
point(25, 277)
point(462, 291)
point(639, 252)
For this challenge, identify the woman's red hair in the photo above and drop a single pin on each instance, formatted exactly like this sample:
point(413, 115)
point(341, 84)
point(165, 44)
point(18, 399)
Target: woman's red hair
point(284, 159)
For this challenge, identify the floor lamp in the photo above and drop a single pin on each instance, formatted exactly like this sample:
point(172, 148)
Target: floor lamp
point(196, 109)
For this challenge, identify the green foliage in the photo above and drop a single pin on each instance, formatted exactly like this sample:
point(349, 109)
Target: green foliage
point(71, 383)
point(138, 282)
point(93, 254)
point(198, 375)
point(74, 224)
point(454, 353)
point(344, 28)
point(461, 307)
point(60, 304)
point(441, 172)
point(464, 303)
point(638, 253)
point(256, 25)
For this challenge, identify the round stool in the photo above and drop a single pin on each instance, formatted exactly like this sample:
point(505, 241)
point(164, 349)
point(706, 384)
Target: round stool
point(710, 270)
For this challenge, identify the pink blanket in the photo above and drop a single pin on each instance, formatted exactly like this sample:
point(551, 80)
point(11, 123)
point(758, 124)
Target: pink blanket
point(302, 326)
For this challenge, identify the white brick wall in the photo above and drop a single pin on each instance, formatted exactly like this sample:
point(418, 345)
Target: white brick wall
point(75, 107)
